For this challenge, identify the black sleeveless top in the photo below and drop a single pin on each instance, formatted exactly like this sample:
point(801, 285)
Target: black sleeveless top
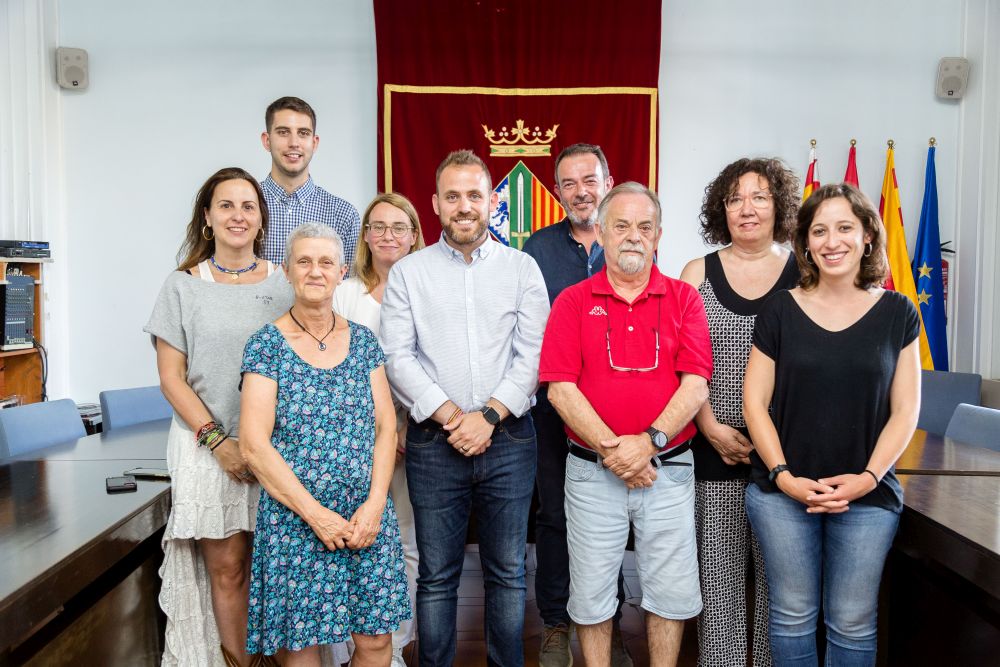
point(731, 321)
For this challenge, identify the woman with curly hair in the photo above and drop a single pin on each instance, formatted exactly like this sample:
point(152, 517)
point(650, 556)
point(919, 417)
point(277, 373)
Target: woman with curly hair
point(831, 397)
point(749, 208)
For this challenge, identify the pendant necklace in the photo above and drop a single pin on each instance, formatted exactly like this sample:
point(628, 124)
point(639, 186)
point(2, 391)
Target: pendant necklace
point(235, 273)
point(322, 345)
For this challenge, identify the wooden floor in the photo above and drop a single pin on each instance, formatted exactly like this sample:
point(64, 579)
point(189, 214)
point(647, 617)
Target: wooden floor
point(471, 650)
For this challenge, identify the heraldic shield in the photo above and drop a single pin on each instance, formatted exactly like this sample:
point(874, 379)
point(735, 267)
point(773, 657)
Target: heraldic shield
point(525, 207)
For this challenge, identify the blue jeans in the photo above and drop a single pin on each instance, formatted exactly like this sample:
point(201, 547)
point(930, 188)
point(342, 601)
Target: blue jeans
point(444, 488)
point(838, 556)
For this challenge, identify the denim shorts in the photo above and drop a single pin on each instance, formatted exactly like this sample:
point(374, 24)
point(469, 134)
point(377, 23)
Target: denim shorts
point(599, 509)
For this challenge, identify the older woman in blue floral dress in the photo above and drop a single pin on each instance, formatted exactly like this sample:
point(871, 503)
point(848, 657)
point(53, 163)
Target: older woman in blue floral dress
point(318, 431)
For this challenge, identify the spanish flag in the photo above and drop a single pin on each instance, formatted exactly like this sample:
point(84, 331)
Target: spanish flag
point(900, 273)
point(811, 183)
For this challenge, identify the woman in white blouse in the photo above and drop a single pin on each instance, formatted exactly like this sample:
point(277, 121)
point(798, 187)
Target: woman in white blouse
point(390, 231)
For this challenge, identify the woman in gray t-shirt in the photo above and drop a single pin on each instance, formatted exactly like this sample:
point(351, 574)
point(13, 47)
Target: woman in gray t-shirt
point(220, 294)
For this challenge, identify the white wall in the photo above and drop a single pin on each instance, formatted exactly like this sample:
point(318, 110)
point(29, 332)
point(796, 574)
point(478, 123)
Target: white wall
point(767, 79)
point(178, 89)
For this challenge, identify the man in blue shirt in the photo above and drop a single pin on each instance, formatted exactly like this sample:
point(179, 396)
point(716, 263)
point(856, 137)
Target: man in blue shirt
point(291, 195)
point(462, 325)
point(567, 252)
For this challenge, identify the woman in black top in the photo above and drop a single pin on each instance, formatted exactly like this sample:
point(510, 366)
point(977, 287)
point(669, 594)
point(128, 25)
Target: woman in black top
point(837, 362)
point(750, 206)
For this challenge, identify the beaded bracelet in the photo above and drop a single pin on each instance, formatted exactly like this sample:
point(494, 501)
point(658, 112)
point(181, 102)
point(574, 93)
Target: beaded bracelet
point(210, 435)
point(203, 431)
point(214, 440)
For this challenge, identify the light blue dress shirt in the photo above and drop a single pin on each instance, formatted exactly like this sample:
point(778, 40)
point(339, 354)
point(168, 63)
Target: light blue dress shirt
point(465, 332)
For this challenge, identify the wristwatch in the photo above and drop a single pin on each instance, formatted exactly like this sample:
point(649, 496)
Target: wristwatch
point(777, 470)
point(658, 437)
point(492, 416)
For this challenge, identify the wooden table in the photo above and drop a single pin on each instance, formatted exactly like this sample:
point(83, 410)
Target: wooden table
point(66, 544)
point(932, 454)
point(942, 583)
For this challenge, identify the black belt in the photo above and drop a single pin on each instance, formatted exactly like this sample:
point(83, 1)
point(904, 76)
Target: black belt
point(657, 461)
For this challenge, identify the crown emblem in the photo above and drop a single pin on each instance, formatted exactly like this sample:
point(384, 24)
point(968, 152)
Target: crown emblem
point(521, 141)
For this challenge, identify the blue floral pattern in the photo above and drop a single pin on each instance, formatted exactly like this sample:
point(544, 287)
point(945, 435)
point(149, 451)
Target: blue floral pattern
point(301, 593)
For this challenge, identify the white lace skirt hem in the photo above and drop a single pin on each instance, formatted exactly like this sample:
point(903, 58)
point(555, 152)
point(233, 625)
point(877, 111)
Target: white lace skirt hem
point(206, 504)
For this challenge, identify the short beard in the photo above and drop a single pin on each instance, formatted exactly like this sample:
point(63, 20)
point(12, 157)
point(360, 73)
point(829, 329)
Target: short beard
point(629, 262)
point(578, 222)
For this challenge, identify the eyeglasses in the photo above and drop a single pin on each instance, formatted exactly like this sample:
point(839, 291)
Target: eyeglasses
point(399, 230)
point(656, 333)
point(758, 199)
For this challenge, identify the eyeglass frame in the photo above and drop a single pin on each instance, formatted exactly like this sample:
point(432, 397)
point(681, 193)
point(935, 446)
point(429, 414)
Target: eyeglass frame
point(656, 332)
point(768, 197)
point(369, 226)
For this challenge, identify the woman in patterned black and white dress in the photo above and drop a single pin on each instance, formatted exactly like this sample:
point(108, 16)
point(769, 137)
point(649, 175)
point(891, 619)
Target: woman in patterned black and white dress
point(750, 207)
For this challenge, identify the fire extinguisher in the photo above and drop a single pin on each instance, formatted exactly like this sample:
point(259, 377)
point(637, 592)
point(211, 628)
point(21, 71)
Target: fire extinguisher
point(944, 272)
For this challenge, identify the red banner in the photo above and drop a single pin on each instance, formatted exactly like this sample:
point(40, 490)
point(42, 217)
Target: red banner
point(516, 82)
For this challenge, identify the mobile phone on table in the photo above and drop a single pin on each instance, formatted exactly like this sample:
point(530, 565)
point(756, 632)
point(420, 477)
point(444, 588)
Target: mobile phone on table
point(120, 484)
point(148, 473)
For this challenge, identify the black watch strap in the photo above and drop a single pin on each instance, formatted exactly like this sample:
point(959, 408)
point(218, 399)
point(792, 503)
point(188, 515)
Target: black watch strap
point(777, 470)
point(492, 416)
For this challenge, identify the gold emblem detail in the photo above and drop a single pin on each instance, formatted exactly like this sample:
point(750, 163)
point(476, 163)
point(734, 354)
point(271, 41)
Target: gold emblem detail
point(520, 141)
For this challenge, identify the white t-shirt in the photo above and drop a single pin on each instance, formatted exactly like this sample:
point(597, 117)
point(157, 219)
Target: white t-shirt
point(353, 301)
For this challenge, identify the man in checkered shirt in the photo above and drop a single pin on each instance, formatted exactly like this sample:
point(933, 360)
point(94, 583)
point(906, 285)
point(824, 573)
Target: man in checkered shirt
point(291, 195)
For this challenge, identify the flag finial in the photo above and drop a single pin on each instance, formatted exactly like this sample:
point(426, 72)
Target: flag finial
point(932, 141)
point(854, 142)
point(812, 142)
point(891, 144)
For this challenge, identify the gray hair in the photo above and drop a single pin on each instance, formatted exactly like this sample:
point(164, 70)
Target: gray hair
point(628, 188)
point(313, 230)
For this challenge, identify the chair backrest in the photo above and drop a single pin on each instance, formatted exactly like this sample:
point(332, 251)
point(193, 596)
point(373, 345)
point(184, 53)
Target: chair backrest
point(124, 407)
point(975, 425)
point(39, 425)
point(941, 392)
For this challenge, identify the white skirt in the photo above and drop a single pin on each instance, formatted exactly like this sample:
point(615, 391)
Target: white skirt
point(206, 503)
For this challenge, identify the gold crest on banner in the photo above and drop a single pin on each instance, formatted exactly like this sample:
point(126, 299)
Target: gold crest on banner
point(521, 141)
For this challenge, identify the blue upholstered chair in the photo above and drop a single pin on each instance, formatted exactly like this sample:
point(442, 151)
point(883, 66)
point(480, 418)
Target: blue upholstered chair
point(975, 425)
point(941, 392)
point(38, 425)
point(124, 407)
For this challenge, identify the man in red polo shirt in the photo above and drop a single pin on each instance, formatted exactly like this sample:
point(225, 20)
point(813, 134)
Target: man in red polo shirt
point(627, 357)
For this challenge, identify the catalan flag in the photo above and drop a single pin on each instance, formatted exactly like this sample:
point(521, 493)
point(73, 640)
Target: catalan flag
point(901, 276)
point(851, 176)
point(811, 183)
point(927, 270)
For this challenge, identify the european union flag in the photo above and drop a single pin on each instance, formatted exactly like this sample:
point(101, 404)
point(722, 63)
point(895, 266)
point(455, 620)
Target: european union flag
point(927, 270)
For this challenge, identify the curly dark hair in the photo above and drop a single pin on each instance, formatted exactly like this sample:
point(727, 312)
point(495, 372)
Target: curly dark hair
point(781, 181)
point(874, 266)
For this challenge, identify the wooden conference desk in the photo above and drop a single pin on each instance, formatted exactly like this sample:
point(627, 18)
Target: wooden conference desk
point(941, 602)
point(78, 566)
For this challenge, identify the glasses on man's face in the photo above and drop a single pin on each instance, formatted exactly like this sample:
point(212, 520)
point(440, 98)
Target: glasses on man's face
point(757, 199)
point(656, 334)
point(399, 230)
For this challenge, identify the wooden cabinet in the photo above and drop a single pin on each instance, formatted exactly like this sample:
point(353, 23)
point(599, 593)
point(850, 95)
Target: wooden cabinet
point(21, 370)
